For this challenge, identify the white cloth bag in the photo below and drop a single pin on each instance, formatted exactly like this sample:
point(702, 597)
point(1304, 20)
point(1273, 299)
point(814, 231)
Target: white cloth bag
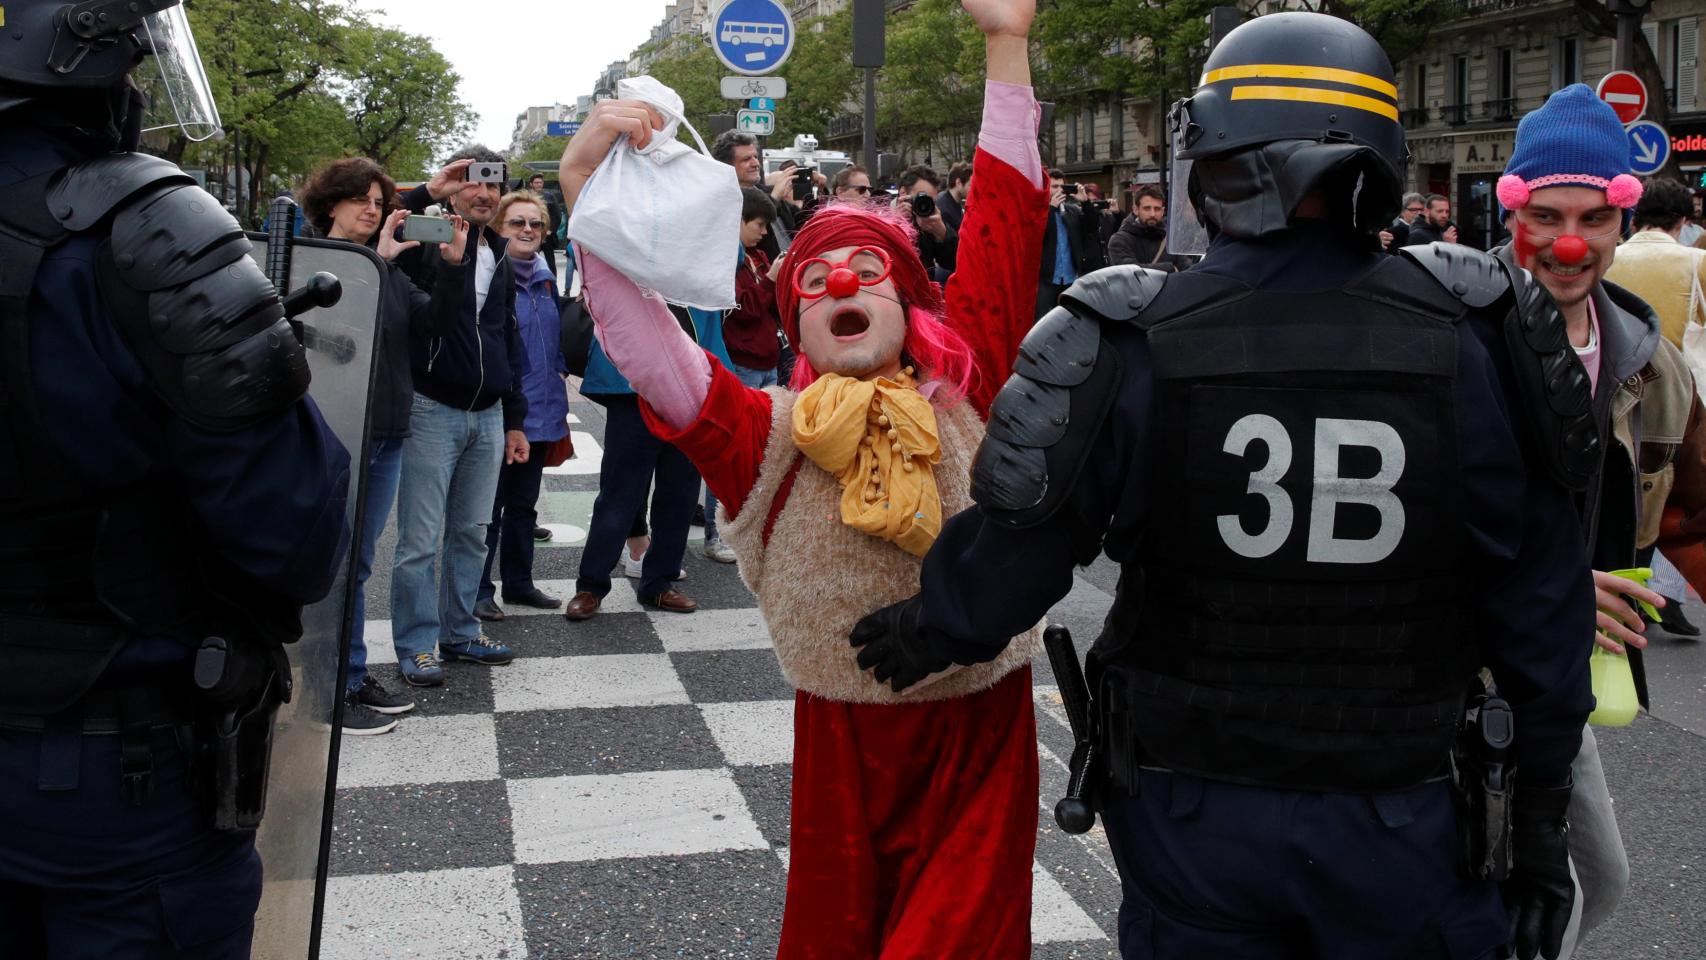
point(667, 217)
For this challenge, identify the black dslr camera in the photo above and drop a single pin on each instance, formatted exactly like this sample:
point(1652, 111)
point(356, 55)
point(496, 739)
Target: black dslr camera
point(923, 205)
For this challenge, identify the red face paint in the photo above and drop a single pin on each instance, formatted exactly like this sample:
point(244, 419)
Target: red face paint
point(1524, 247)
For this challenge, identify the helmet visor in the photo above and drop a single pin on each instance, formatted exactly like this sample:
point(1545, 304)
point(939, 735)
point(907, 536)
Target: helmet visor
point(177, 88)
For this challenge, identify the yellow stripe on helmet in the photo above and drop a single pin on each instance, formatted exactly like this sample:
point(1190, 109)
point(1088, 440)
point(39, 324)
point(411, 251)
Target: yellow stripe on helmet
point(1355, 101)
point(1293, 71)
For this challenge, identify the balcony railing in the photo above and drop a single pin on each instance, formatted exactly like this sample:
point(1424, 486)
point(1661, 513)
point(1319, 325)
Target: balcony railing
point(1116, 150)
point(846, 125)
point(1473, 7)
point(1455, 114)
point(1413, 118)
point(1501, 109)
point(1072, 153)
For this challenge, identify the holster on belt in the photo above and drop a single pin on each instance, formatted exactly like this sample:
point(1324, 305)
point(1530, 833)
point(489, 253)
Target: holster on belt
point(243, 683)
point(1482, 777)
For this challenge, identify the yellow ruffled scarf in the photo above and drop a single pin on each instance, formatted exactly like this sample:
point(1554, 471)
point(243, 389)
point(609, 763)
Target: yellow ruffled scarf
point(878, 438)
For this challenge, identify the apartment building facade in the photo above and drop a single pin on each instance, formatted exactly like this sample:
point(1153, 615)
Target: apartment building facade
point(1460, 99)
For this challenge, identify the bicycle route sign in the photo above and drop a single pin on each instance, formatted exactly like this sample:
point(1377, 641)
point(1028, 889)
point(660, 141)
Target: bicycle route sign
point(752, 36)
point(748, 88)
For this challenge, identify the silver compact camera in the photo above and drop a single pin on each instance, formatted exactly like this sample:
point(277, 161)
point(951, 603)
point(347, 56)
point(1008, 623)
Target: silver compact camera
point(481, 171)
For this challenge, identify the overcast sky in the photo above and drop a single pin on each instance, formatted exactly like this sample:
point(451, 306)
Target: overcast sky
point(513, 54)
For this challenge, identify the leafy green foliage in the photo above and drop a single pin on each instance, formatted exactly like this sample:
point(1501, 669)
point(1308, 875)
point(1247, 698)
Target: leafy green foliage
point(298, 82)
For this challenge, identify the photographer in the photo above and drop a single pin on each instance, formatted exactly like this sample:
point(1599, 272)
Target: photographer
point(1063, 233)
point(937, 243)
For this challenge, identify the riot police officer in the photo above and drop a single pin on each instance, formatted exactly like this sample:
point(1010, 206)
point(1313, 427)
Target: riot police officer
point(165, 486)
point(1338, 487)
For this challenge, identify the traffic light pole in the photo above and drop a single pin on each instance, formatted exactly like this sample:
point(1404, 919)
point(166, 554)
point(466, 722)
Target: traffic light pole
point(870, 124)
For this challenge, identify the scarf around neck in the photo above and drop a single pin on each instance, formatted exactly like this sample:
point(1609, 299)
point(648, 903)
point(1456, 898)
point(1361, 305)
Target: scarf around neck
point(878, 438)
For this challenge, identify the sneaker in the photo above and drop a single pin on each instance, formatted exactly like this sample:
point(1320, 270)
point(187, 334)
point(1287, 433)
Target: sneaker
point(373, 695)
point(481, 649)
point(719, 551)
point(633, 568)
point(360, 721)
point(421, 670)
point(541, 535)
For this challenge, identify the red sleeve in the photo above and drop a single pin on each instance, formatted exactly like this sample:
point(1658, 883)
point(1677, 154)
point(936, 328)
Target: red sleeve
point(727, 440)
point(993, 293)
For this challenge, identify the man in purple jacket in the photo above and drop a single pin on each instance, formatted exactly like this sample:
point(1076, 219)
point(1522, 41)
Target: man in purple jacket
point(466, 421)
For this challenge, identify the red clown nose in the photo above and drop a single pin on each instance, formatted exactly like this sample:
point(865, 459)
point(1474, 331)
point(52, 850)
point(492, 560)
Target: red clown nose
point(842, 283)
point(1569, 249)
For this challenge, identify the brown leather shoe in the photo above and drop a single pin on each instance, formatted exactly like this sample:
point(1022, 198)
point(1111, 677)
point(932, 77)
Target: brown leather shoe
point(584, 606)
point(672, 600)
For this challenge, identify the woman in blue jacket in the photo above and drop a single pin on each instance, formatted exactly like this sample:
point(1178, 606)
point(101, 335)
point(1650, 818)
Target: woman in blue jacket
point(523, 218)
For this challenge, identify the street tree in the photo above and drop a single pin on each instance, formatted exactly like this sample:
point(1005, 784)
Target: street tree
point(399, 98)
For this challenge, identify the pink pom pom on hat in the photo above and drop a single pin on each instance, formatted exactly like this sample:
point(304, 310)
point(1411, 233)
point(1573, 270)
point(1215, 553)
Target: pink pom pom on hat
point(1573, 140)
point(1513, 193)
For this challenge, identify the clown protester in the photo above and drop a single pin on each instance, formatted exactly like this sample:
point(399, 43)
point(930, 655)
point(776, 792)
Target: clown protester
point(914, 815)
point(1567, 193)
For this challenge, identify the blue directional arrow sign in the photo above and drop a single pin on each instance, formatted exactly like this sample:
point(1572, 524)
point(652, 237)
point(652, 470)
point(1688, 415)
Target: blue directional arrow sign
point(761, 103)
point(1649, 147)
point(752, 36)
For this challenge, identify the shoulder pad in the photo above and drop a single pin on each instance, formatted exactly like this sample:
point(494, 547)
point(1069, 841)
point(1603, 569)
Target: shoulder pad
point(1044, 422)
point(1478, 279)
point(1060, 349)
point(1116, 293)
point(1555, 392)
point(173, 236)
point(85, 193)
point(199, 313)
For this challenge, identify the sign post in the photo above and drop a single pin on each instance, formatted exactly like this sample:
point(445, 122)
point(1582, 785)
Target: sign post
point(1649, 148)
point(1626, 93)
point(752, 37)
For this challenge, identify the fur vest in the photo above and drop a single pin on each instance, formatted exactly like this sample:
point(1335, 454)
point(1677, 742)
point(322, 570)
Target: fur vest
point(818, 576)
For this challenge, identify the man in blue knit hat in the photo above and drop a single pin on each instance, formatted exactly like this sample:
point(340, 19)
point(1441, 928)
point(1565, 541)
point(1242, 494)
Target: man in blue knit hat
point(1567, 193)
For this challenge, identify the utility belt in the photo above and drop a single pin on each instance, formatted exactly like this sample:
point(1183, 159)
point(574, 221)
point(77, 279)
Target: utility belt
point(1108, 752)
point(222, 713)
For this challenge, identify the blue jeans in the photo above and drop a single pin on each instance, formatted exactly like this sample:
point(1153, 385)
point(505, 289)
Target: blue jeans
point(632, 457)
point(450, 475)
point(384, 466)
point(758, 380)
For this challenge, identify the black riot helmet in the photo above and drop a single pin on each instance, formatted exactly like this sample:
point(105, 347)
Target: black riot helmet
point(56, 55)
point(1288, 104)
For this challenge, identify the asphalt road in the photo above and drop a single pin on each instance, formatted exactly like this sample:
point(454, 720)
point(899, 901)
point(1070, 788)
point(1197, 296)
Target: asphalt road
point(1654, 768)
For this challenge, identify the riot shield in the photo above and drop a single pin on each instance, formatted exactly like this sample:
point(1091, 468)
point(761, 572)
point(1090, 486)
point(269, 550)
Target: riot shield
point(1186, 234)
point(295, 832)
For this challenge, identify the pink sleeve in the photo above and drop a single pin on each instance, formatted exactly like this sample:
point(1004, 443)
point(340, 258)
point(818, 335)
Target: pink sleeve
point(641, 337)
point(1009, 133)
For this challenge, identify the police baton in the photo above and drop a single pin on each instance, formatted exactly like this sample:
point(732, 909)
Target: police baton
point(1075, 813)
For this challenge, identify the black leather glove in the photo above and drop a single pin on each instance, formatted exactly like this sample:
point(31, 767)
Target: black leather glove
point(891, 648)
point(1540, 886)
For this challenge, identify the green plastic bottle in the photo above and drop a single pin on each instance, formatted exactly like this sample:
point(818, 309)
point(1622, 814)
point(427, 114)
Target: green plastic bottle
point(1615, 702)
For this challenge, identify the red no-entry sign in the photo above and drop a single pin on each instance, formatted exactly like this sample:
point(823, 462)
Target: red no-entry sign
point(1626, 94)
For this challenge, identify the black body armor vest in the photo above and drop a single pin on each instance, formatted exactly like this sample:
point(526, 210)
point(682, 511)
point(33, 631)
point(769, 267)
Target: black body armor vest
point(82, 568)
point(1299, 609)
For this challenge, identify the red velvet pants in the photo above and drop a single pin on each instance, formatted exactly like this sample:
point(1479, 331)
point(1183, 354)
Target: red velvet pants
point(913, 828)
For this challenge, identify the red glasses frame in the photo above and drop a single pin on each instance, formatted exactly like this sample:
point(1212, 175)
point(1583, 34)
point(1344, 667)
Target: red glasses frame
point(847, 264)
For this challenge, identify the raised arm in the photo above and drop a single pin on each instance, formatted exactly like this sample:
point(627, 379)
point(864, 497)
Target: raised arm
point(671, 374)
point(992, 295)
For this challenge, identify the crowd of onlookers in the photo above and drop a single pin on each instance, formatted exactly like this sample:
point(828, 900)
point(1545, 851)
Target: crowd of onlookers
point(470, 403)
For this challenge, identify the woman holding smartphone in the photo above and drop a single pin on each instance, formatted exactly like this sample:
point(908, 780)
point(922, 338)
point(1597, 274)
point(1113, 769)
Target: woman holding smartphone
point(352, 200)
